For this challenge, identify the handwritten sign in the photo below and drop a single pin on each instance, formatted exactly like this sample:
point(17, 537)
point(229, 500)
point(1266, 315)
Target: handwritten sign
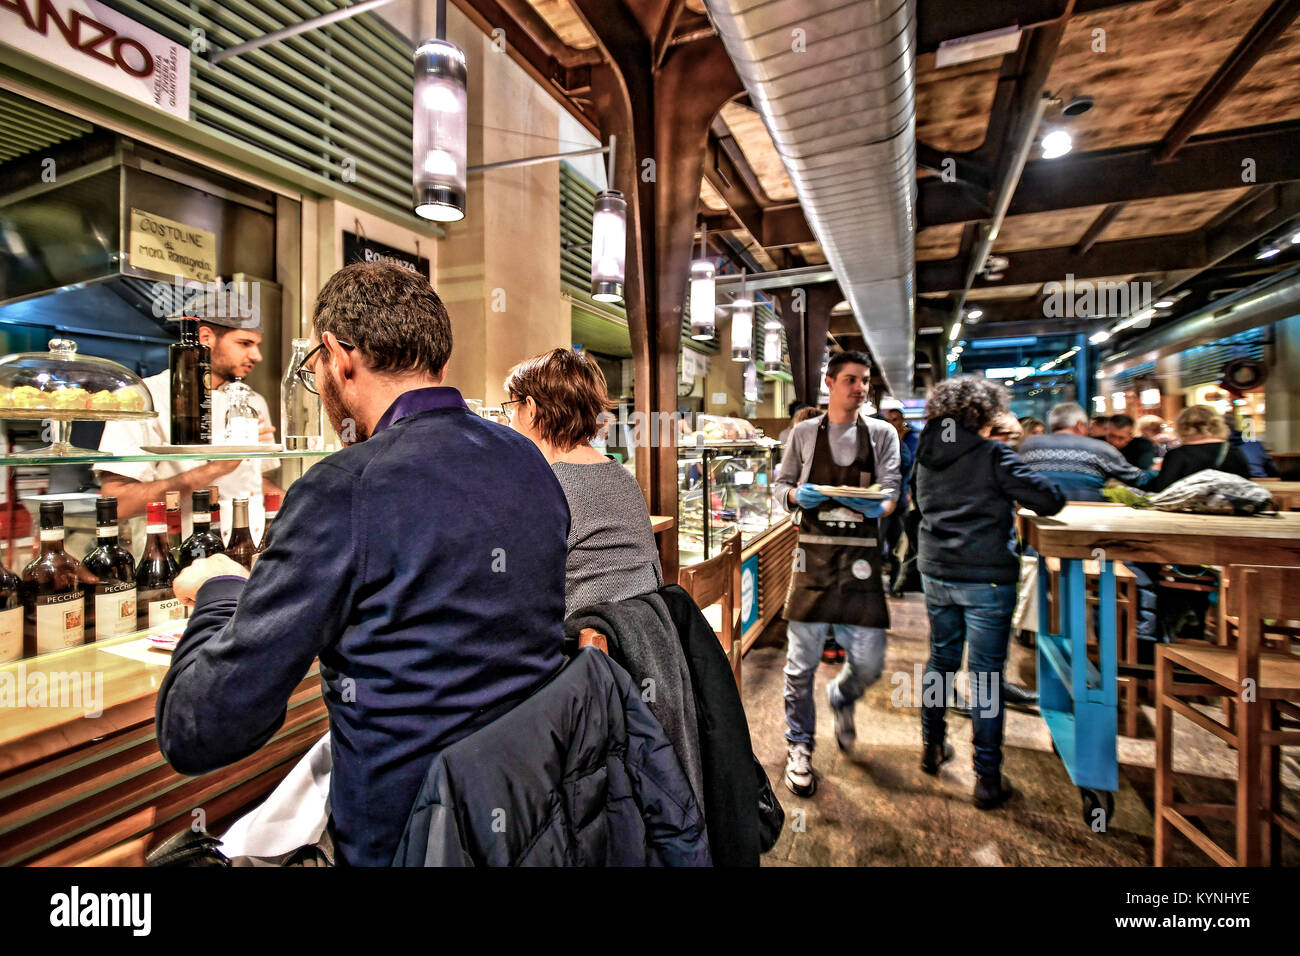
point(172, 248)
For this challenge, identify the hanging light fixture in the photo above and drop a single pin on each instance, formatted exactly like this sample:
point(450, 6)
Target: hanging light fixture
point(440, 131)
point(608, 240)
point(703, 294)
point(742, 325)
point(772, 345)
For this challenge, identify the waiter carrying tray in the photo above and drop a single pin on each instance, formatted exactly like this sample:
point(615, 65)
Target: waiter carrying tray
point(835, 589)
point(234, 340)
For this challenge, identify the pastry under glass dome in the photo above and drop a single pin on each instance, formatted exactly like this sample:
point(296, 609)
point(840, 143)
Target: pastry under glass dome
point(61, 386)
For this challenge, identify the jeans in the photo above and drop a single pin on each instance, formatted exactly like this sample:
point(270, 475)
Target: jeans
point(979, 615)
point(864, 659)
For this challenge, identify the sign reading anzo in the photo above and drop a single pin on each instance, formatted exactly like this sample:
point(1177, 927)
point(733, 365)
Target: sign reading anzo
point(93, 41)
point(85, 34)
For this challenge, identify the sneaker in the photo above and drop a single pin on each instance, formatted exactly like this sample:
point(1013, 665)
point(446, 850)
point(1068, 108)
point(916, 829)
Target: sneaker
point(840, 654)
point(1017, 695)
point(829, 652)
point(799, 776)
point(934, 755)
point(846, 735)
point(992, 791)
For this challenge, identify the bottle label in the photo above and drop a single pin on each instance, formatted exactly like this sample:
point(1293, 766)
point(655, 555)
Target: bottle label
point(201, 518)
point(60, 622)
point(156, 528)
point(205, 403)
point(51, 534)
point(11, 634)
point(107, 531)
point(114, 610)
point(169, 609)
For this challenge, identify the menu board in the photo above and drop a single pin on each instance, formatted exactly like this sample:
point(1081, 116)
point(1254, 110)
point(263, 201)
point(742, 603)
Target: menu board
point(172, 248)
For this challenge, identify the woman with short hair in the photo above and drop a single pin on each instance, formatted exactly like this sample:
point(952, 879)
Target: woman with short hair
point(561, 402)
point(1204, 437)
point(968, 487)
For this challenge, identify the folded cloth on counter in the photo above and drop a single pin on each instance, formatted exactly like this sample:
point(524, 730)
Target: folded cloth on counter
point(295, 814)
point(643, 640)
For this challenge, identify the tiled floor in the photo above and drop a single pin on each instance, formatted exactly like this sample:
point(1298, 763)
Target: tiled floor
point(875, 807)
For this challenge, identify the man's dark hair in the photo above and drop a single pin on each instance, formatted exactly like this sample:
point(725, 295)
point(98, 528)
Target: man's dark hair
point(1101, 419)
point(392, 316)
point(1121, 421)
point(841, 359)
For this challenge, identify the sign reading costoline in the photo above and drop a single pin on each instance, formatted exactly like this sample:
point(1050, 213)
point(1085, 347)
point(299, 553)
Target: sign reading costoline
point(359, 249)
point(92, 40)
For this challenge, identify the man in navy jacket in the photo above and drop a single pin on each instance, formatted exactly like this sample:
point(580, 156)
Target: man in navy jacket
point(423, 564)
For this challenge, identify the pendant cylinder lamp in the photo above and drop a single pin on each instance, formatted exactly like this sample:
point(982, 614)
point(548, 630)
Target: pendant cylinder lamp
point(440, 131)
point(608, 246)
point(609, 238)
point(772, 347)
point(703, 299)
point(742, 325)
point(704, 293)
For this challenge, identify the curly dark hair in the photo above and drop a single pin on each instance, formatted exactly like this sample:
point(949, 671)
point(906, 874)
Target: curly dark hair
point(970, 401)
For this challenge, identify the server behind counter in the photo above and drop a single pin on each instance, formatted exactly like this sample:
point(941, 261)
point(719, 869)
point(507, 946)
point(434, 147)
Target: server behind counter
point(233, 341)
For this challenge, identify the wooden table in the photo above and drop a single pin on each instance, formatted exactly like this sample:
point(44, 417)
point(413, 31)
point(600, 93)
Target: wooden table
point(1079, 702)
point(659, 523)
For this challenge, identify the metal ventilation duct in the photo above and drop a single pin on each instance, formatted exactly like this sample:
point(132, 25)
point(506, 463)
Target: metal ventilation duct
point(835, 84)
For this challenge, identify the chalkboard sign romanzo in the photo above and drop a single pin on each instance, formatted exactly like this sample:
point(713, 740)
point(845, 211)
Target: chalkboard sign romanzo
point(359, 249)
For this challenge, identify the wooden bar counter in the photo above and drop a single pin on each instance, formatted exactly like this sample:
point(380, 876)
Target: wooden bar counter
point(78, 788)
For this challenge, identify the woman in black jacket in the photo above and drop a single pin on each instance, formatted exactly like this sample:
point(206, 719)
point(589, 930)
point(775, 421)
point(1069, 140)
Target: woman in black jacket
point(967, 490)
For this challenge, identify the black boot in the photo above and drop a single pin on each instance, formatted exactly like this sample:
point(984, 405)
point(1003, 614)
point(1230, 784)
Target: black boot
point(992, 791)
point(1017, 695)
point(934, 755)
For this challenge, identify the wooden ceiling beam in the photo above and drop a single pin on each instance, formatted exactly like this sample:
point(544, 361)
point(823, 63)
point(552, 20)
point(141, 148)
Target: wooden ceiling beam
point(1261, 37)
point(939, 20)
point(1197, 249)
point(667, 28)
point(1098, 226)
point(1228, 160)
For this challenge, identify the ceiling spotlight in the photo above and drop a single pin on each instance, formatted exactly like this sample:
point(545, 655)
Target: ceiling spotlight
point(993, 276)
point(1057, 143)
point(1078, 105)
point(1098, 337)
point(1295, 240)
point(1267, 252)
point(956, 331)
point(974, 313)
point(1164, 304)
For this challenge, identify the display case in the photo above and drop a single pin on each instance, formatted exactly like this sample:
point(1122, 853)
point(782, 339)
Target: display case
point(61, 386)
point(724, 487)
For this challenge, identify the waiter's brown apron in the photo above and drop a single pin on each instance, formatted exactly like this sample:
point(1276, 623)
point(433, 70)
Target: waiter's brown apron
point(840, 582)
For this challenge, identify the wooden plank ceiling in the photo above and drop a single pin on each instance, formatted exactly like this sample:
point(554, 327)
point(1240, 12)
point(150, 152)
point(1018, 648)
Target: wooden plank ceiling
point(1144, 63)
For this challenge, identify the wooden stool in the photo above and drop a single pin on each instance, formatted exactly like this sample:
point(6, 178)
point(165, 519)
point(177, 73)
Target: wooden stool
point(717, 581)
point(1263, 685)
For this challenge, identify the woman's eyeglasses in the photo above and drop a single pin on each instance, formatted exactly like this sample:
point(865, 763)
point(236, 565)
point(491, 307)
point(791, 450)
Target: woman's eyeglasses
point(507, 412)
point(308, 375)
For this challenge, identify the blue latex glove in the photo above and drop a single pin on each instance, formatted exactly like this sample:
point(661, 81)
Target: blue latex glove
point(806, 496)
point(867, 507)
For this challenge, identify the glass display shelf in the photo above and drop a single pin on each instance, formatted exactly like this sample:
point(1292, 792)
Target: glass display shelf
point(23, 460)
point(734, 479)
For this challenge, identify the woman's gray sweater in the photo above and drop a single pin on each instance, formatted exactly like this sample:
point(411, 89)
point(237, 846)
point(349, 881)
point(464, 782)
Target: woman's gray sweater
point(612, 551)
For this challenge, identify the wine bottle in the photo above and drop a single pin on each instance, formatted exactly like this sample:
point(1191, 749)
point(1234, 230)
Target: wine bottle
point(52, 599)
point(272, 501)
point(214, 496)
point(203, 542)
point(241, 546)
point(174, 523)
point(156, 603)
point(191, 388)
point(11, 616)
point(110, 599)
